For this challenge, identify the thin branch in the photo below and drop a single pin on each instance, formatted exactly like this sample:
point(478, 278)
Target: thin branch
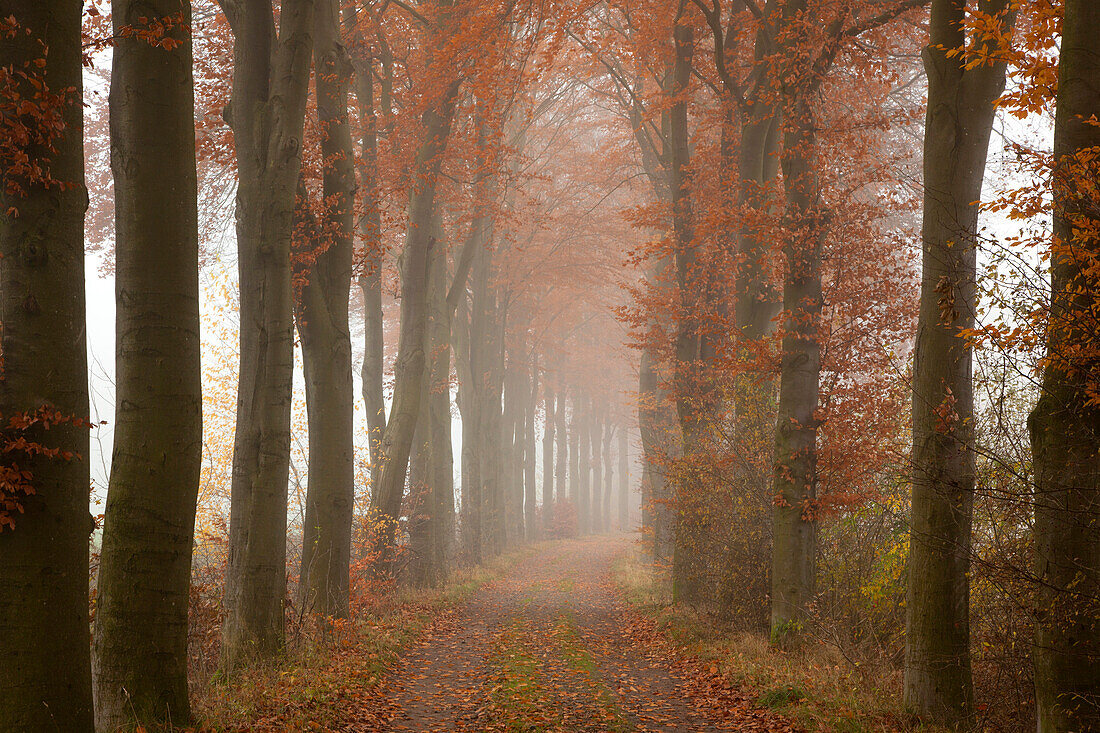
point(885, 17)
point(413, 12)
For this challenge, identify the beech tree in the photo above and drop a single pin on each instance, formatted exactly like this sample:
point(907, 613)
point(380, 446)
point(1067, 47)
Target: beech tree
point(321, 312)
point(1065, 424)
point(548, 464)
point(961, 91)
point(45, 674)
point(145, 562)
point(271, 66)
point(624, 480)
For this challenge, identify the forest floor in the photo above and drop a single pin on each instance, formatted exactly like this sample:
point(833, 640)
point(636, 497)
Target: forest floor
point(551, 646)
point(544, 639)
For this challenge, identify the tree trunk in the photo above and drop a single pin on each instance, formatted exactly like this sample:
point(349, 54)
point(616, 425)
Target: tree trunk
point(653, 424)
point(957, 129)
point(584, 486)
point(419, 560)
point(469, 403)
point(145, 562)
point(561, 470)
point(322, 316)
point(794, 483)
point(624, 481)
point(370, 270)
point(481, 392)
point(431, 522)
point(548, 457)
point(1065, 425)
point(530, 522)
point(439, 411)
point(45, 677)
point(575, 427)
point(409, 368)
point(689, 534)
point(495, 454)
point(608, 472)
point(266, 113)
point(515, 398)
point(595, 440)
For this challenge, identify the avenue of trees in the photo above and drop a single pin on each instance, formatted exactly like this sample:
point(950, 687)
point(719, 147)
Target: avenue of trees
point(805, 291)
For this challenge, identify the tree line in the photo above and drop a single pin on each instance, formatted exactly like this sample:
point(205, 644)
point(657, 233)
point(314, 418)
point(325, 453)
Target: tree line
point(516, 188)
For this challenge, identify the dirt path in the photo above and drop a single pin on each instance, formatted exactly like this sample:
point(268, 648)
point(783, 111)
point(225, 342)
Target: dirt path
point(549, 647)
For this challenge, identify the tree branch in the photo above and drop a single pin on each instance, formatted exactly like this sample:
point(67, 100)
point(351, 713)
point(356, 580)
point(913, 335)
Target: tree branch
point(413, 12)
point(885, 17)
point(232, 11)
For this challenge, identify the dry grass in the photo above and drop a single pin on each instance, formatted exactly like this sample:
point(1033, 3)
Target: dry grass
point(815, 685)
point(332, 667)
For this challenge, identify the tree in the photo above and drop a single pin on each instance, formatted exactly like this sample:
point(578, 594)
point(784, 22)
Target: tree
point(45, 673)
point(624, 480)
point(1065, 424)
point(794, 533)
point(369, 274)
point(957, 129)
point(324, 275)
point(548, 465)
point(530, 523)
point(608, 470)
point(267, 111)
point(687, 580)
point(409, 367)
point(561, 437)
point(145, 562)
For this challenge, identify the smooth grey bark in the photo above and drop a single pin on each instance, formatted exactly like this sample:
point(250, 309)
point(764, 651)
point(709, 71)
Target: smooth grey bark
point(689, 536)
point(441, 316)
point(431, 525)
point(561, 469)
point(655, 411)
point(322, 317)
point(530, 520)
point(494, 453)
point(45, 674)
point(957, 129)
point(654, 423)
point(794, 482)
point(548, 465)
point(757, 299)
point(1065, 425)
point(476, 393)
point(624, 480)
point(410, 366)
point(749, 141)
point(512, 440)
point(468, 405)
point(143, 588)
point(266, 113)
point(418, 565)
point(608, 471)
point(472, 265)
point(480, 394)
point(369, 276)
point(595, 441)
point(575, 418)
point(584, 467)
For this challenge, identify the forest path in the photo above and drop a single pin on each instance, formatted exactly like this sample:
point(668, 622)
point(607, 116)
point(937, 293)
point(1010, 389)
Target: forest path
point(550, 647)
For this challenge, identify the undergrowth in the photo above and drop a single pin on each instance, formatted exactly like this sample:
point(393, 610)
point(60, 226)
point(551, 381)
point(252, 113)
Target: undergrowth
point(332, 669)
point(814, 684)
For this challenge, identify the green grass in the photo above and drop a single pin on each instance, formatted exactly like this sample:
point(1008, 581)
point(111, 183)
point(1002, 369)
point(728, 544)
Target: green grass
point(518, 695)
point(580, 660)
point(781, 697)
